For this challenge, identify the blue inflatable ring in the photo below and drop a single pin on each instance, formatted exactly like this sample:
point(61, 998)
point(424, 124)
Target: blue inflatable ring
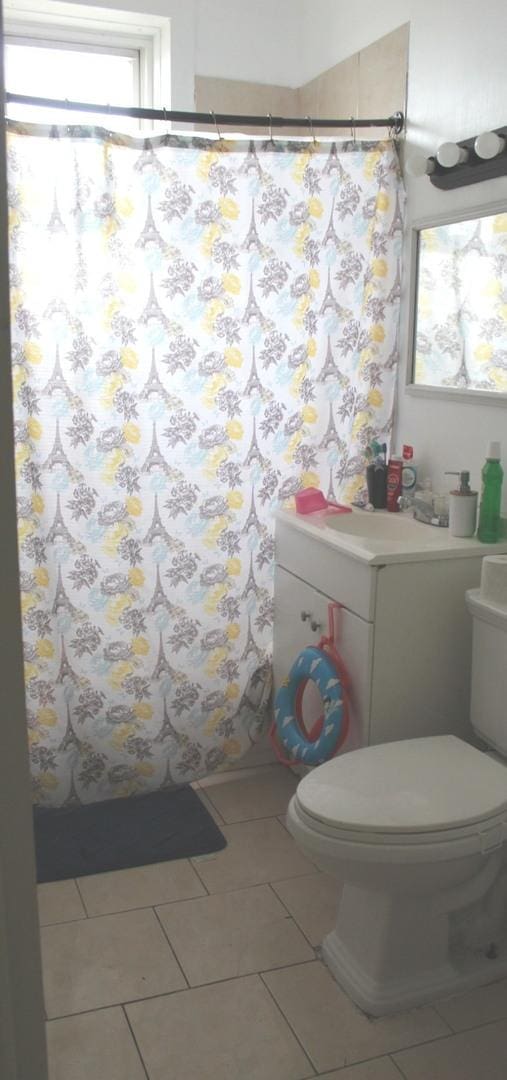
point(315, 665)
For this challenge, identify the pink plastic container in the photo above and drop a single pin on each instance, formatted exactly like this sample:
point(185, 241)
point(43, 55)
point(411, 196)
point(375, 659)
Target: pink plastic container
point(311, 499)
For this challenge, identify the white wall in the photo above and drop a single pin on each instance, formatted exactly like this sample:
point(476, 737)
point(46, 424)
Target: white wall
point(457, 87)
point(334, 29)
point(255, 40)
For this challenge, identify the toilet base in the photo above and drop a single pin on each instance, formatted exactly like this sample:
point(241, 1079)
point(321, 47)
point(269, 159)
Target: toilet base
point(401, 992)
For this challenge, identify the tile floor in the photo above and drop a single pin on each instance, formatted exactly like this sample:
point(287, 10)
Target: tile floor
point(205, 969)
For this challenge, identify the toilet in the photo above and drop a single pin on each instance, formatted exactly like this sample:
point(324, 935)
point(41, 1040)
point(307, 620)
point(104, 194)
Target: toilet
point(415, 833)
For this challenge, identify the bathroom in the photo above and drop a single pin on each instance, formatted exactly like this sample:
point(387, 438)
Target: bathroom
point(267, 1007)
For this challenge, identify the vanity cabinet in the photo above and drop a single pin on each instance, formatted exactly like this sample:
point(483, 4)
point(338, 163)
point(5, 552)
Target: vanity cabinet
point(405, 633)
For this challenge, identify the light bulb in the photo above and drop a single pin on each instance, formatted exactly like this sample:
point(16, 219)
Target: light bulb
point(419, 165)
point(488, 145)
point(450, 154)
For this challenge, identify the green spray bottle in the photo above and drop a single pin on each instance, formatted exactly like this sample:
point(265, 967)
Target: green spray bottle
point(490, 524)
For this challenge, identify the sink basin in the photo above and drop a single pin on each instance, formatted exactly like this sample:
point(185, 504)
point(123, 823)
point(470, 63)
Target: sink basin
point(378, 537)
point(385, 526)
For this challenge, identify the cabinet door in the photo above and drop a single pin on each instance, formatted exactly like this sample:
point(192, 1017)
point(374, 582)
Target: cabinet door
point(298, 607)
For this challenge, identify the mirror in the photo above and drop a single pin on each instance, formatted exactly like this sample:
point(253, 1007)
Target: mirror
point(459, 305)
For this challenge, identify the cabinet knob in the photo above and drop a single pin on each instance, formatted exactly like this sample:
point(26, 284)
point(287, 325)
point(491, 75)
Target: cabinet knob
point(315, 625)
point(305, 615)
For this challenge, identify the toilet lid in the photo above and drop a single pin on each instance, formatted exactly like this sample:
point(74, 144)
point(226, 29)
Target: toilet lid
point(417, 785)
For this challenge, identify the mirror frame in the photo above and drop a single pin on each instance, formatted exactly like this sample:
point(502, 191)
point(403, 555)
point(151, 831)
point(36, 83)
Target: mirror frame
point(479, 397)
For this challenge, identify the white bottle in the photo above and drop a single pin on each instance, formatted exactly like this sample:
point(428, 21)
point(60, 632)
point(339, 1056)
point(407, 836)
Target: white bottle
point(462, 507)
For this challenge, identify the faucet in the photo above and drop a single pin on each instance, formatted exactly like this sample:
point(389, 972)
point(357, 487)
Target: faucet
point(431, 511)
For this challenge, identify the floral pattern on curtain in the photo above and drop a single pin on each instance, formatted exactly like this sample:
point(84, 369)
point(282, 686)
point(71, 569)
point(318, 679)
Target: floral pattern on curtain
point(200, 329)
point(461, 331)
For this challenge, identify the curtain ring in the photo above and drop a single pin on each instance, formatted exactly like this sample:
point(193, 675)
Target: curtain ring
point(270, 118)
point(219, 133)
point(164, 113)
point(310, 123)
point(352, 129)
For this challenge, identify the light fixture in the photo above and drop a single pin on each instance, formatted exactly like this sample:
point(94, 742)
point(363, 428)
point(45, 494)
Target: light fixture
point(419, 165)
point(449, 155)
point(469, 161)
point(488, 145)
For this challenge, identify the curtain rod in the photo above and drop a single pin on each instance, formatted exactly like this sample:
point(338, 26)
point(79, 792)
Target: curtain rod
point(394, 122)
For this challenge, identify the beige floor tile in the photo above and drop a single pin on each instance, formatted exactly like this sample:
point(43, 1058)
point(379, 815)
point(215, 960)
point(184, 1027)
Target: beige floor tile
point(226, 775)
point(256, 852)
point(237, 933)
point(471, 1055)
point(96, 1044)
point(312, 902)
point(228, 1031)
point(217, 818)
point(332, 1030)
point(265, 794)
point(475, 1007)
point(105, 961)
point(59, 901)
point(141, 886)
point(379, 1069)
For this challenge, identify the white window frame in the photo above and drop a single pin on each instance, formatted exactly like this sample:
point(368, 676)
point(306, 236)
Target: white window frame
point(96, 27)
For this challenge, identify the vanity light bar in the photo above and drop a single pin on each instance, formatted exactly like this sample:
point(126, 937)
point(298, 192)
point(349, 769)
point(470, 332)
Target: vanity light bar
point(483, 157)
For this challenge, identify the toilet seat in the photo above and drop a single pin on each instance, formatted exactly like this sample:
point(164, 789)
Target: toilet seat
point(415, 800)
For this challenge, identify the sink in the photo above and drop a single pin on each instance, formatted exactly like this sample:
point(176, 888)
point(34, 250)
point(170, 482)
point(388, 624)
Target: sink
point(379, 537)
point(386, 526)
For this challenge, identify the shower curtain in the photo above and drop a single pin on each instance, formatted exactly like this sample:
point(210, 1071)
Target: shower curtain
point(200, 329)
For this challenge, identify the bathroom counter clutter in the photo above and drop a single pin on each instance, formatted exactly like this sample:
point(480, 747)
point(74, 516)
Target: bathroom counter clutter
point(379, 537)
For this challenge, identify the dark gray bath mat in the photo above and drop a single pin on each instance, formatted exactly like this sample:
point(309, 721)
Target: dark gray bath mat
point(114, 835)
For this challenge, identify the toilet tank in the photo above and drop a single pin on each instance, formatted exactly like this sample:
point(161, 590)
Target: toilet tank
point(488, 700)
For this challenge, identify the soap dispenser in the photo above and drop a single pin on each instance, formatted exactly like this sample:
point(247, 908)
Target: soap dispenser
point(462, 507)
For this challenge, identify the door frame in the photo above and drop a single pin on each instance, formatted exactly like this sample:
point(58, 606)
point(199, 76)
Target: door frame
point(22, 1037)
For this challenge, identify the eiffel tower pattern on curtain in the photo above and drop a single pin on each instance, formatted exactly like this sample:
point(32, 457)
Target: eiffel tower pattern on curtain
point(199, 330)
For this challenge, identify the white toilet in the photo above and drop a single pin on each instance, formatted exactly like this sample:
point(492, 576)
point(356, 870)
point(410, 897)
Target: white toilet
point(416, 831)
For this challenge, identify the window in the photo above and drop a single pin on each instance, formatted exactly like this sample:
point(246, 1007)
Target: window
point(85, 54)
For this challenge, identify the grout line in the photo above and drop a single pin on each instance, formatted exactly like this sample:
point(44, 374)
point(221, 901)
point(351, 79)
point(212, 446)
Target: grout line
point(293, 917)
point(397, 1067)
point(165, 994)
point(127, 911)
point(289, 1025)
point(63, 922)
point(203, 883)
point(145, 1069)
point(211, 808)
point(444, 1021)
point(248, 974)
point(81, 897)
point(251, 820)
point(171, 946)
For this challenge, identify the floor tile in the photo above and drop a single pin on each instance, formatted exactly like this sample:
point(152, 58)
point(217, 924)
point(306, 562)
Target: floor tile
point(379, 1069)
point(256, 852)
point(467, 1056)
point(59, 901)
point(475, 1007)
point(212, 810)
point(96, 1044)
point(225, 775)
point(312, 902)
point(228, 1031)
point(222, 936)
point(141, 886)
point(105, 961)
point(265, 794)
point(332, 1030)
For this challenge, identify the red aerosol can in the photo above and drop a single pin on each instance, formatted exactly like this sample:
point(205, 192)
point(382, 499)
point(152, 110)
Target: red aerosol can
point(394, 471)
